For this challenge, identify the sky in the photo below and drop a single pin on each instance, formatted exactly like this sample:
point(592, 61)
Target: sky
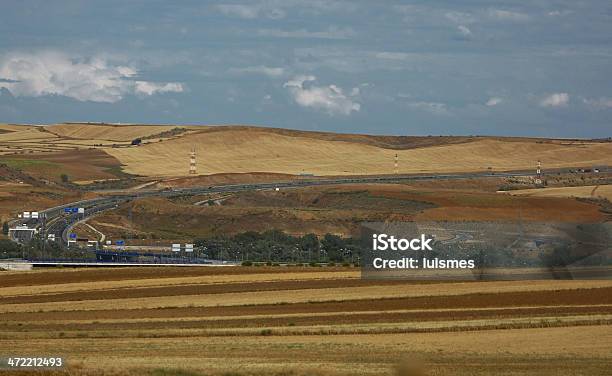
point(529, 68)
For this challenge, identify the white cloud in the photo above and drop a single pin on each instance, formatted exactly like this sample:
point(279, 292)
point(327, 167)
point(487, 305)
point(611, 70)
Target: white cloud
point(251, 11)
point(330, 99)
point(493, 101)
point(95, 79)
point(599, 103)
point(507, 15)
point(150, 88)
point(261, 69)
point(432, 107)
point(555, 100)
point(464, 30)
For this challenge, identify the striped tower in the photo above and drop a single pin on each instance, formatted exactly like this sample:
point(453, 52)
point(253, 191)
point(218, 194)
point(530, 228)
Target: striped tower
point(538, 179)
point(192, 162)
point(395, 164)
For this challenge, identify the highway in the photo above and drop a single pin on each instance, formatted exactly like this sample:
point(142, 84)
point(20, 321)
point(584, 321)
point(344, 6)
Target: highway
point(59, 223)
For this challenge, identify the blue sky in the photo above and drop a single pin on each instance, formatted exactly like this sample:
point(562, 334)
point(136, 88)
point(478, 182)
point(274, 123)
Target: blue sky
point(539, 68)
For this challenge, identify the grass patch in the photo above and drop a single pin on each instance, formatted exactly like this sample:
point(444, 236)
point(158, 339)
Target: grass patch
point(21, 164)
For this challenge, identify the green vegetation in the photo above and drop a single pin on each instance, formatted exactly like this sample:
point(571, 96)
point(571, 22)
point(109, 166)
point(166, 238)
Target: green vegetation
point(167, 134)
point(275, 246)
point(5, 228)
point(24, 164)
point(34, 251)
point(9, 249)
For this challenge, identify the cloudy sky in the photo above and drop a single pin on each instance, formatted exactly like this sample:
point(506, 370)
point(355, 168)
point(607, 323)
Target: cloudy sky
point(539, 68)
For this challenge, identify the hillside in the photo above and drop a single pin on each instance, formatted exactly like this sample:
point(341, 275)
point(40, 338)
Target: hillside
point(249, 150)
point(243, 149)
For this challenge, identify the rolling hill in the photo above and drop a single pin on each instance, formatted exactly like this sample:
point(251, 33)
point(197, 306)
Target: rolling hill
point(242, 149)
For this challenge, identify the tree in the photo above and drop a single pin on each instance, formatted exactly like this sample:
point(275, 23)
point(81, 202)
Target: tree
point(9, 249)
point(334, 246)
point(5, 228)
point(64, 178)
point(309, 244)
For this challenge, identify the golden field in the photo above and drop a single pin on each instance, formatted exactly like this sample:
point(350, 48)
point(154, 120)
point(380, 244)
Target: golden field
point(249, 150)
point(242, 149)
point(302, 321)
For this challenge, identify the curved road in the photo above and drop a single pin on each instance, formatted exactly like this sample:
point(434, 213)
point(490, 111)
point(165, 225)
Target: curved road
point(59, 223)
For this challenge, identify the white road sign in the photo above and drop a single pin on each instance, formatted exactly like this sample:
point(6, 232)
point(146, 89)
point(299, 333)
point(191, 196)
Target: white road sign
point(176, 247)
point(188, 247)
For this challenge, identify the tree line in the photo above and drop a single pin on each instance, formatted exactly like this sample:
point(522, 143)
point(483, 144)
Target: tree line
point(278, 246)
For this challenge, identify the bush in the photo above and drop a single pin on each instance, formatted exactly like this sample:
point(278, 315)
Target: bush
point(247, 263)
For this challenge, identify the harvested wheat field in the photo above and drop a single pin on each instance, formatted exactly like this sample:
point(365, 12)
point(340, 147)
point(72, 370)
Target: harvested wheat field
point(164, 151)
point(300, 320)
point(250, 150)
point(110, 132)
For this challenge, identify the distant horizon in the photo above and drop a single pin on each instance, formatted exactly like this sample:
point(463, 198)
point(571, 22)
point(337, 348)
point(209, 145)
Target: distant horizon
point(94, 123)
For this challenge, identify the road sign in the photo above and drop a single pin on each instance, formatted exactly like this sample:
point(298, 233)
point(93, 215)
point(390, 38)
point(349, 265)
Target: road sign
point(67, 210)
point(188, 247)
point(72, 236)
point(120, 242)
point(74, 210)
point(81, 210)
point(51, 237)
point(26, 214)
point(176, 247)
point(34, 215)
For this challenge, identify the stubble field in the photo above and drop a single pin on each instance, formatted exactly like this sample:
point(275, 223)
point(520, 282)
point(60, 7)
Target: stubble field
point(302, 320)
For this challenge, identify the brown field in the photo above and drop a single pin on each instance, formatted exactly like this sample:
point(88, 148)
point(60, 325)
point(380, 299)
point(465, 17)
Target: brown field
point(302, 321)
point(587, 191)
point(81, 165)
point(338, 210)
